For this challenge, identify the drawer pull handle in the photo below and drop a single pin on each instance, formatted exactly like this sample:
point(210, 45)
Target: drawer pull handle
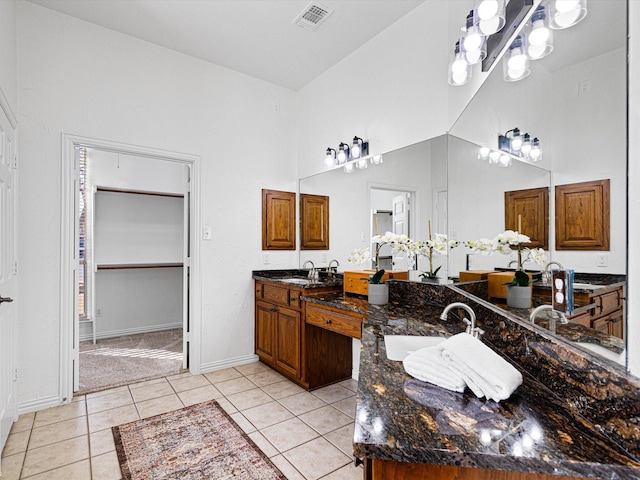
point(329, 322)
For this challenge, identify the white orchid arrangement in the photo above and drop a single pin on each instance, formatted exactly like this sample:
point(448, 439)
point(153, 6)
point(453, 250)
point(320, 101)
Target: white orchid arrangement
point(437, 244)
point(505, 243)
point(398, 243)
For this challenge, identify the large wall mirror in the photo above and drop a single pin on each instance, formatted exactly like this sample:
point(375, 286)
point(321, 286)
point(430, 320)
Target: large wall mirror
point(574, 101)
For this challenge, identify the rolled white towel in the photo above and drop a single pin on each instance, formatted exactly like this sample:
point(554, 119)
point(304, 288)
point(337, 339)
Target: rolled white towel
point(428, 365)
point(486, 372)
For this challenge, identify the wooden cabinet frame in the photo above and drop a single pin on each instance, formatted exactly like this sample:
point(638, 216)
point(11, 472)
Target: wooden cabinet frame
point(583, 216)
point(314, 222)
point(278, 220)
point(532, 207)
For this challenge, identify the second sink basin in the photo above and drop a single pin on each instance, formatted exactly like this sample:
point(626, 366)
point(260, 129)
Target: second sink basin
point(399, 346)
point(296, 281)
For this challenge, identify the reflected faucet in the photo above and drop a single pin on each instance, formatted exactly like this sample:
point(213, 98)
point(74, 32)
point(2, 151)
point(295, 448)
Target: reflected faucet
point(312, 273)
point(552, 318)
point(546, 275)
point(334, 269)
point(471, 322)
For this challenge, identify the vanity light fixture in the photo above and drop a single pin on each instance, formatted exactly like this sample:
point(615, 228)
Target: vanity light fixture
point(566, 13)
point(459, 68)
point(521, 146)
point(490, 15)
point(538, 36)
point(473, 41)
point(343, 153)
point(330, 159)
point(516, 62)
point(359, 148)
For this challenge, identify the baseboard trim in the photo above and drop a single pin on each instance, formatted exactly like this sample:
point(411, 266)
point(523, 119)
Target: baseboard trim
point(40, 404)
point(129, 331)
point(227, 363)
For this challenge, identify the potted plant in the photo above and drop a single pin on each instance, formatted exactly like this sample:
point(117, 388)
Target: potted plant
point(378, 290)
point(519, 289)
point(436, 245)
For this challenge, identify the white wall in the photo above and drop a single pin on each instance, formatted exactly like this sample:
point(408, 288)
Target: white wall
point(81, 79)
point(392, 91)
point(8, 55)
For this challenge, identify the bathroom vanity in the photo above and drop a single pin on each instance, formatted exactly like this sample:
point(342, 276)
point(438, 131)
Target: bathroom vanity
point(309, 343)
point(409, 429)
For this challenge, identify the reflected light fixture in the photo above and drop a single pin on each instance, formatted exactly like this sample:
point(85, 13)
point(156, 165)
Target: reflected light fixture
point(521, 146)
point(459, 68)
point(516, 62)
point(343, 153)
point(330, 159)
point(490, 15)
point(484, 152)
point(348, 168)
point(376, 160)
point(539, 37)
point(359, 148)
point(566, 13)
point(474, 42)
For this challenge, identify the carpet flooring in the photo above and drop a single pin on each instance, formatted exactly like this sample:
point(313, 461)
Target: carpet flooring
point(112, 362)
point(197, 442)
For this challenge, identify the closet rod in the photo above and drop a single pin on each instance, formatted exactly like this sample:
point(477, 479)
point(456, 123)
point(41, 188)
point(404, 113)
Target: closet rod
point(139, 192)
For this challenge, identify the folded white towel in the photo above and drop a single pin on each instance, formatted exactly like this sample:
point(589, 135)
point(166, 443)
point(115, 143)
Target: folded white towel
point(428, 365)
point(486, 373)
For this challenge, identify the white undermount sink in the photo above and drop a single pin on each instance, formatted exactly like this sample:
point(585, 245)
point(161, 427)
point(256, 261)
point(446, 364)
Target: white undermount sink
point(399, 346)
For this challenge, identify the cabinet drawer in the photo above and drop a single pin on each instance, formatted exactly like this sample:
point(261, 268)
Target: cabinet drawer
point(279, 295)
point(608, 302)
point(341, 323)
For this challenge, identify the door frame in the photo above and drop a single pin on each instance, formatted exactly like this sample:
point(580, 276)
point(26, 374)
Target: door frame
point(69, 250)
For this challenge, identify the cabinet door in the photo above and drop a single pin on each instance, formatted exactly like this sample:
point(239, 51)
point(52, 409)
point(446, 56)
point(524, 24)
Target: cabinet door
point(278, 220)
point(266, 315)
point(288, 340)
point(314, 222)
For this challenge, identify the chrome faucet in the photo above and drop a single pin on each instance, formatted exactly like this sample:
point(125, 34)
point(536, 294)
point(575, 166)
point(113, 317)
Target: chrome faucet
point(335, 269)
point(552, 318)
point(312, 273)
point(471, 322)
point(546, 275)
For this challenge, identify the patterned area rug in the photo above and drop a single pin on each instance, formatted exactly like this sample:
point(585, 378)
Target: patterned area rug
point(197, 442)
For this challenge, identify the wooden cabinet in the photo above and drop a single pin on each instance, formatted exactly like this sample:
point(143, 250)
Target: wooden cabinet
point(314, 222)
point(342, 322)
point(582, 216)
point(356, 281)
point(607, 313)
point(529, 209)
point(309, 344)
point(278, 328)
point(278, 220)
point(389, 470)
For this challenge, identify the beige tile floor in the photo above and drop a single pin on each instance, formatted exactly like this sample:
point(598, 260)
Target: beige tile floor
point(308, 435)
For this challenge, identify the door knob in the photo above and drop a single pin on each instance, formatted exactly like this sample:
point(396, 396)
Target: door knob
point(6, 299)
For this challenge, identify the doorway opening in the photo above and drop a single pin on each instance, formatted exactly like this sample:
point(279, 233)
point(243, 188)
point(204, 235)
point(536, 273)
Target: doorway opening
point(394, 209)
point(130, 273)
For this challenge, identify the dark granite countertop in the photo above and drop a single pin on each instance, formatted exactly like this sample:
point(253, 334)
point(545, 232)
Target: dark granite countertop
point(402, 419)
point(325, 279)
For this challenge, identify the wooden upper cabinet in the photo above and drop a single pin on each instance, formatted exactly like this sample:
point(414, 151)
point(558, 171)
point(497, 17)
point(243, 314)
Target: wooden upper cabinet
point(582, 216)
point(531, 206)
point(278, 220)
point(314, 222)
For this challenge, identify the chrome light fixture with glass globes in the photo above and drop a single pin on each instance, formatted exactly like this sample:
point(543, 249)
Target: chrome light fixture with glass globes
point(493, 23)
point(512, 145)
point(351, 157)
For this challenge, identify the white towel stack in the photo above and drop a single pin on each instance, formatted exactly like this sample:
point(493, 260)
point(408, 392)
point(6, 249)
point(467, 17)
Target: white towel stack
point(463, 360)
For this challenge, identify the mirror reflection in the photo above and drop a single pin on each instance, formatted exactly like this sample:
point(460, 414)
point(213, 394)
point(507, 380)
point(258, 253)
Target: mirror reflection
point(574, 101)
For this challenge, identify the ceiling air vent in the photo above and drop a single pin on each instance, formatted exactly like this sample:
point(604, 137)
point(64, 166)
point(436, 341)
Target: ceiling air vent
point(312, 16)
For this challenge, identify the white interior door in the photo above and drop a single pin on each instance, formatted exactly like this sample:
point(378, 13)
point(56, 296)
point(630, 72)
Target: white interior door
point(400, 217)
point(7, 280)
point(186, 270)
